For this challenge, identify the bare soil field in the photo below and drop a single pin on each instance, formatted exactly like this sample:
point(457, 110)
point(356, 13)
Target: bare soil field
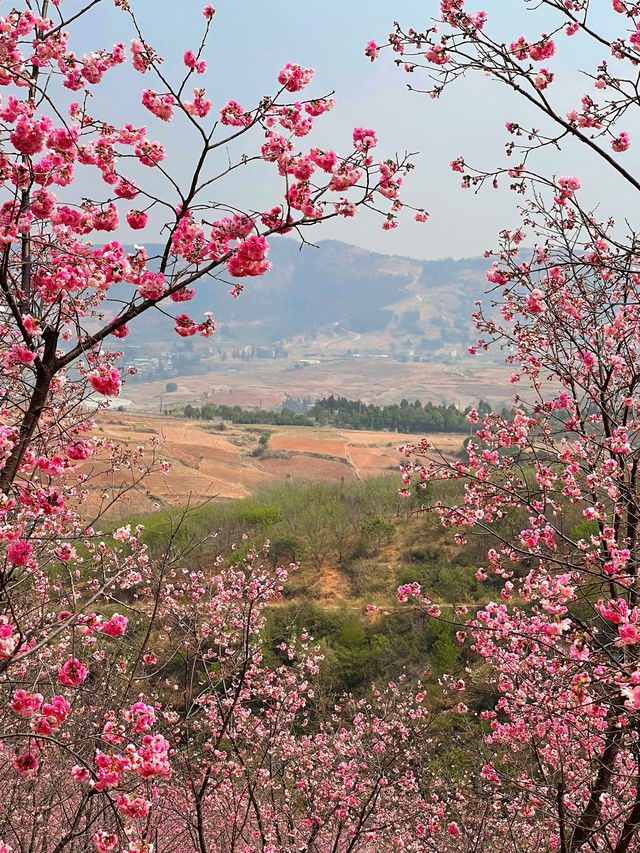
point(305, 441)
point(264, 383)
point(206, 462)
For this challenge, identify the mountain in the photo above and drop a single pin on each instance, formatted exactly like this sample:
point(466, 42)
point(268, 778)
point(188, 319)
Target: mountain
point(343, 297)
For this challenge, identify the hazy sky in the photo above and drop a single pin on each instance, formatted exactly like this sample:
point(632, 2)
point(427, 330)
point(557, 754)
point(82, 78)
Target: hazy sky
point(252, 40)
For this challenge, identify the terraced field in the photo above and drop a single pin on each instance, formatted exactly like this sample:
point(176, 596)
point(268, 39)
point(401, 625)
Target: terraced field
point(207, 462)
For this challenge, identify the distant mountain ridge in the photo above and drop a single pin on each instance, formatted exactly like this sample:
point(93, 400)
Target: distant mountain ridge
point(335, 290)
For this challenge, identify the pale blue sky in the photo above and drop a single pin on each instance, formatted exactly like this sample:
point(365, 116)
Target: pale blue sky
point(252, 40)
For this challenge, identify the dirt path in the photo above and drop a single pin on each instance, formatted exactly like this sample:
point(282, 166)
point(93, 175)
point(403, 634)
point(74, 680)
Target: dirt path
point(352, 464)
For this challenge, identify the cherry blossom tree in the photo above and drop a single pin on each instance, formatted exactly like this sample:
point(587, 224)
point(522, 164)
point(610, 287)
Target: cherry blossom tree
point(136, 708)
point(554, 489)
point(61, 288)
point(177, 735)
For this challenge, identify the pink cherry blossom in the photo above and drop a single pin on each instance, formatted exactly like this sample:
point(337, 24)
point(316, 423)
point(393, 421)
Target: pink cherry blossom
point(105, 380)
point(371, 50)
point(72, 672)
point(621, 142)
point(294, 77)
point(232, 114)
point(25, 704)
point(104, 841)
point(116, 626)
point(160, 105)
point(26, 765)
point(19, 552)
point(249, 258)
point(363, 139)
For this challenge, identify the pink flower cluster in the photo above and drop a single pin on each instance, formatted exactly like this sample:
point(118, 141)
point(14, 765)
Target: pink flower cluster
point(543, 78)
point(29, 135)
point(621, 142)
point(51, 717)
point(116, 626)
point(149, 760)
point(72, 672)
point(186, 327)
point(538, 51)
point(137, 219)
point(233, 115)
point(91, 67)
point(326, 160)
point(143, 55)
point(133, 806)
point(363, 139)
point(141, 716)
point(8, 640)
point(199, 106)
point(192, 61)
point(372, 50)
point(151, 285)
point(293, 117)
point(160, 105)
point(105, 380)
point(26, 765)
point(293, 77)
point(390, 182)
point(19, 552)
point(344, 176)
point(452, 11)
point(437, 54)
point(105, 841)
point(79, 449)
point(274, 219)
point(568, 185)
point(249, 258)
point(25, 704)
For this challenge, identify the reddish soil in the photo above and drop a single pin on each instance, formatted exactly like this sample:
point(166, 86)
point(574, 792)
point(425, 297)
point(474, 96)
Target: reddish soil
point(310, 441)
point(207, 463)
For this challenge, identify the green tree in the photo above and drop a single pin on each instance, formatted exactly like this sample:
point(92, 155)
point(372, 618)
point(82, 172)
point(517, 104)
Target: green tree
point(376, 532)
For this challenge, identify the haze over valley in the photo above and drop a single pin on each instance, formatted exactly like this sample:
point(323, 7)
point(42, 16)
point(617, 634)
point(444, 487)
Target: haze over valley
point(327, 319)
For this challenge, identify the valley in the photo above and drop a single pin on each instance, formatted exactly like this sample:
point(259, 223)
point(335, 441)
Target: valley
point(270, 384)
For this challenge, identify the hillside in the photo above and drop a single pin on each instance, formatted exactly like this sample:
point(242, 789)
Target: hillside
point(335, 291)
point(208, 461)
point(327, 319)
